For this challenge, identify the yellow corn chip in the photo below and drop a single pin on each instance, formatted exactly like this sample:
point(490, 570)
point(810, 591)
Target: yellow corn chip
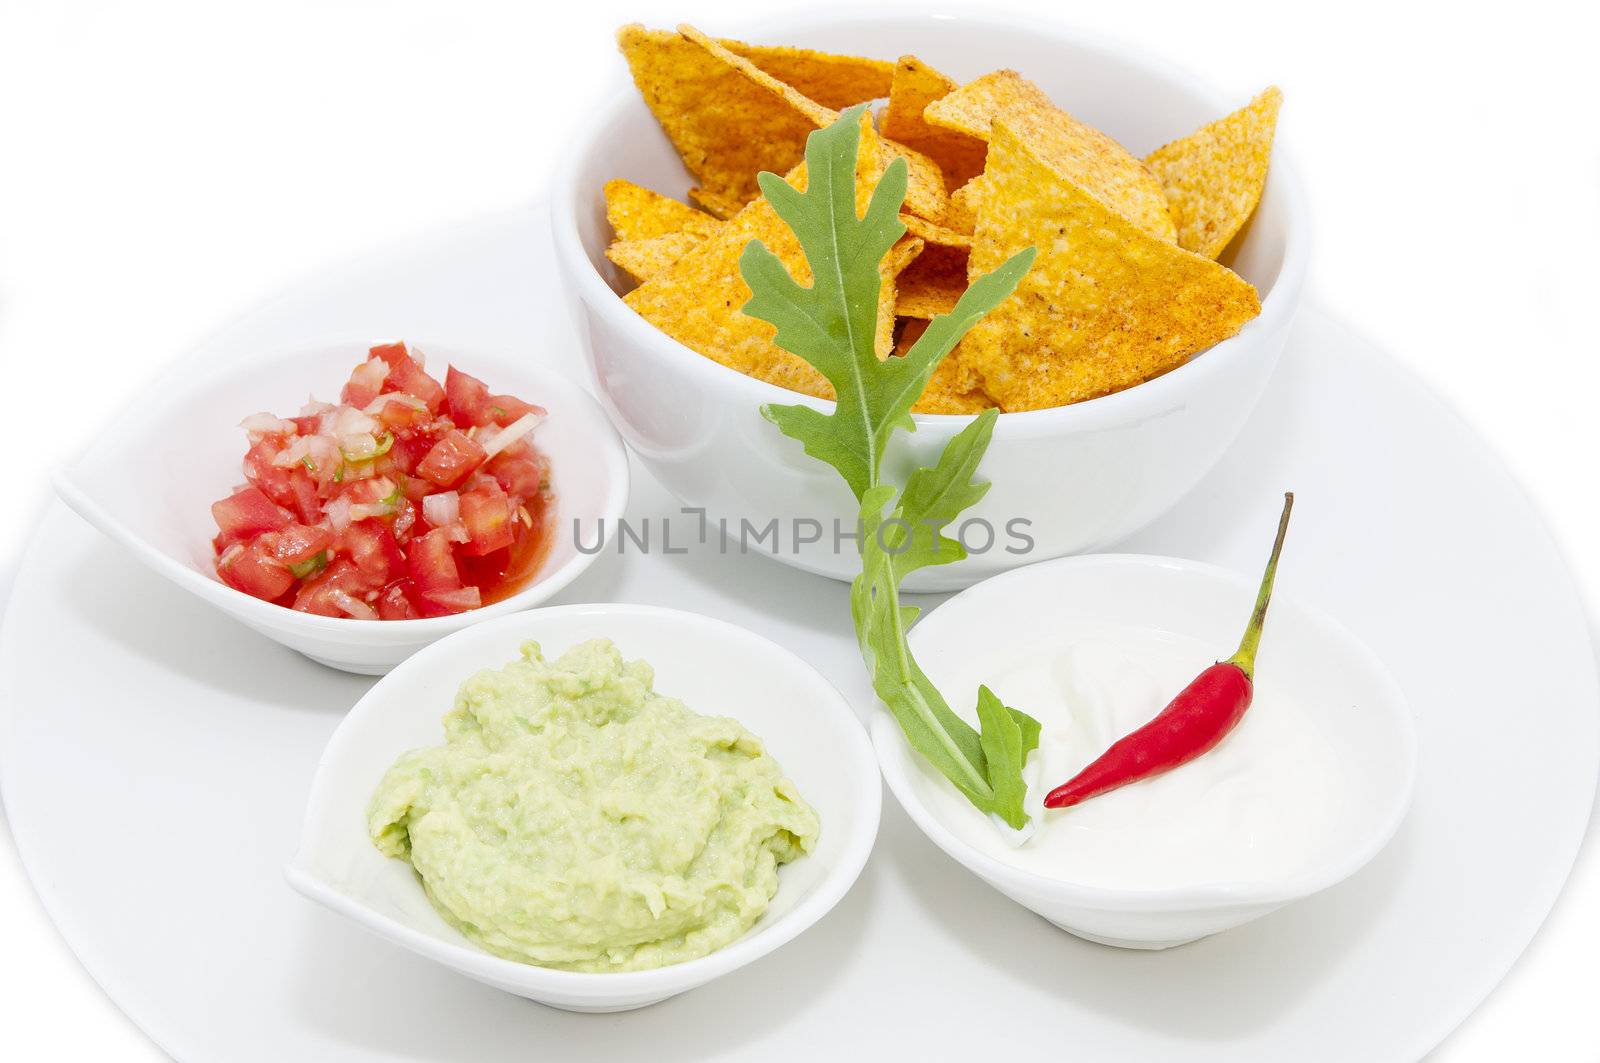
point(962, 214)
point(728, 120)
point(934, 233)
point(717, 206)
point(1105, 306)
point(915, 85)
point(931, 285)
point(836, 81)
point(1213, 178)
point(637, 213)
point(645, 257)
point(953, 388)
point(697, 299)
point(1077, 152)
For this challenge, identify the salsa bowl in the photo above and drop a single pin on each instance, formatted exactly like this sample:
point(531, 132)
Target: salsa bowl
point(1359, 714)
point(1065, 480)
point(187, 424)
point(714, 667)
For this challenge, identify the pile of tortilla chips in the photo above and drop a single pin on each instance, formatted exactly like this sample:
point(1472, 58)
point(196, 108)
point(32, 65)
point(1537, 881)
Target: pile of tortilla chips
point(1126, 284)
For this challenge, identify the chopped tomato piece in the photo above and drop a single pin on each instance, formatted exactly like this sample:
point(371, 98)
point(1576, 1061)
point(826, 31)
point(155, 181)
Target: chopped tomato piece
point(365, 383)
point(296, 545)
point(521, 477)
point(407, 377)
point(451, 459)
point(373, 548)
point(247, 513)
point(507, 408)
point(489, 518)
point(249, 569)
point(394, 605)
point(466, 398)
point(436, 581)
point(340, 590)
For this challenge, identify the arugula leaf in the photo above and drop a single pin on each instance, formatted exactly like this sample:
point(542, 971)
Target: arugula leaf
point(831, 325)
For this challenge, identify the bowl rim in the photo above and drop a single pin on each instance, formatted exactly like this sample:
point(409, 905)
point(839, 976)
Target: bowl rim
point(857, 761)
point(895, 760)
point(1131, 404)
point(611, 458)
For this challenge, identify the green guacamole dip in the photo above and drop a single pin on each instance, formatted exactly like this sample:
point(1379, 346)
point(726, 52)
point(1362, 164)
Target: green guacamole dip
point(577, 819)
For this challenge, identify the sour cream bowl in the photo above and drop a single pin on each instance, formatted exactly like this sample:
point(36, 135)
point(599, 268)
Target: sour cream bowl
point(1308, 664)
point(716, 668)
point(1080, 477)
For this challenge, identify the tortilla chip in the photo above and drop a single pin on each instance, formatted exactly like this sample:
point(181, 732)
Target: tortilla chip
point(1075, 151)
point(697, 299)
point(925, 195)
point(934, 233)
point(931, 285)
point(1105, 306)
point(722, 207)
point(962, 214)
point(953, 388)
point(836, 81)
point(1213, 178)
point(728, 120)
point(637, 213)
point(644, 258)
point(915, 85)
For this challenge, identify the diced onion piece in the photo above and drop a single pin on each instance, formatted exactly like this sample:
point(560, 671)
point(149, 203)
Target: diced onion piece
point(352, 606)
point(349, 421)
point(362, 446)
point(465, 598)
point(457, 533)
point(338, 512)
point(442, 510)
point(376, 406)
point(230, 555)
point(264, 423)
point(511, 433)
point(313, 407)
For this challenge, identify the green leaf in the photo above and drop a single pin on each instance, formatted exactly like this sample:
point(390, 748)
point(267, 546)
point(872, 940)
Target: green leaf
point(1008, 737)
point(832, 325)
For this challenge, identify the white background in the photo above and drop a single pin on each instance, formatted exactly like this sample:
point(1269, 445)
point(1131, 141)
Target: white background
point(163, 166)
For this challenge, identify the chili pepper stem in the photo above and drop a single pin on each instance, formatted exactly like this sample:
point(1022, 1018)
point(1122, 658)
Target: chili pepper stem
point(1245, 658)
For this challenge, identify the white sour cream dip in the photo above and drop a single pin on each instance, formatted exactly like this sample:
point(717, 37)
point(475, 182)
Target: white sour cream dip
point(1259, 807)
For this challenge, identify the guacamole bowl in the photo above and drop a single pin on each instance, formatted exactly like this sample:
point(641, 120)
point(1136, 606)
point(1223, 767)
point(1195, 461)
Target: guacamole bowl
point(714, 667)
point(1067, 480)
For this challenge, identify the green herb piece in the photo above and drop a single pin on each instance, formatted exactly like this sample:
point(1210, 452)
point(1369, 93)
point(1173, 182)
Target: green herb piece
point(310, 465)
point(831, 325)
point(310, 566)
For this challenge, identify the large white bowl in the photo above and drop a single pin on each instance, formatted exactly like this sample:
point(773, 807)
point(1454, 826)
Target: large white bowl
point(1084, 476)
point(149, 478)
point(714, 667)
point(1311, 658)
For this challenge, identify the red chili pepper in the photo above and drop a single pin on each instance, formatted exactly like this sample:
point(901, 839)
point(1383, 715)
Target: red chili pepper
point(1194, 721)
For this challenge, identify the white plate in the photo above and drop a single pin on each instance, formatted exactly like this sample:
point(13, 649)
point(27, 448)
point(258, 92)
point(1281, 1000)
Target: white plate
point(155, 795)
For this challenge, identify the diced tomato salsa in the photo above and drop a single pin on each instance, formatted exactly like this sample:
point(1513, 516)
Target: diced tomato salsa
point(409, 499)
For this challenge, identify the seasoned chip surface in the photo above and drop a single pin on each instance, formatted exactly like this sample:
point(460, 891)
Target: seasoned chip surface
point(728, 119)
point(637, 213)
point(1213, 178)
point(836, 81)
point(915, 84)
point(1078, 152)
point(645, 257)
point(1106, 305)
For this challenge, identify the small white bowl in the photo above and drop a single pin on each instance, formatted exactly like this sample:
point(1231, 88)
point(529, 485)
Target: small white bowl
point(149, 479)
point(715, 667)
point(1311, 658)
point(1082, 476)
